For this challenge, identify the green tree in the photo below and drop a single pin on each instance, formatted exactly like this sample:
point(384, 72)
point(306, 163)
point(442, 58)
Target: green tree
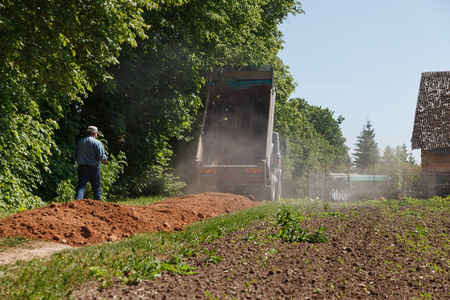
point(328, 127)
point(51, 53)
point(155, 94)
point(390, 166)
point(309, 146)
point(54, 53)
point(367, 154)
point(404, 173)
point(388, 159)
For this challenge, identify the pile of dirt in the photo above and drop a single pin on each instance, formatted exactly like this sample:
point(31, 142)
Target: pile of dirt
point(84, 222)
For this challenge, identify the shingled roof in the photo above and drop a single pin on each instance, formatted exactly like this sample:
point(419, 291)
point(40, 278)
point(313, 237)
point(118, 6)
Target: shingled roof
point(432, 120)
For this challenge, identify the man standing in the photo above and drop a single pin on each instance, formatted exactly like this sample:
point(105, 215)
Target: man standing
point(88, 154)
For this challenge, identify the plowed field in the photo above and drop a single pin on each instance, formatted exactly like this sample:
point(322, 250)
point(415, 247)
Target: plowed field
point(371, 253)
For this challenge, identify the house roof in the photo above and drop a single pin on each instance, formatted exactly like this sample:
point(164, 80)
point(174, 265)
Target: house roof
point(432, 119)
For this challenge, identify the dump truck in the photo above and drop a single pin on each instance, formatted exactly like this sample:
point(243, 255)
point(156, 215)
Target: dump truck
point(238, 152)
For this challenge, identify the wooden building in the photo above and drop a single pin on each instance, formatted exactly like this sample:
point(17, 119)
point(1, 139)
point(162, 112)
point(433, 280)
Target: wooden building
point(431, 132)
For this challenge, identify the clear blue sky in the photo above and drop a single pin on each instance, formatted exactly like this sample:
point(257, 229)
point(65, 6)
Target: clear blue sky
point(363, 60)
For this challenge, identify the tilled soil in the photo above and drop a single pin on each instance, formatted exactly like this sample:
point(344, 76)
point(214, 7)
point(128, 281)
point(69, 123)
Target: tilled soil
point(371, 253)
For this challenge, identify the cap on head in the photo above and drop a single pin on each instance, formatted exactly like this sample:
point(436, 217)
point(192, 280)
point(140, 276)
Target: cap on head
point(92, 129)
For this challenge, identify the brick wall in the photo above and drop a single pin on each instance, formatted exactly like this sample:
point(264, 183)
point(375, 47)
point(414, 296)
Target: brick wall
point(435, 172)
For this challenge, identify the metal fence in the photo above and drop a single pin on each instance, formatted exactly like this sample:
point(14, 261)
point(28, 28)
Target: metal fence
point(345, 186)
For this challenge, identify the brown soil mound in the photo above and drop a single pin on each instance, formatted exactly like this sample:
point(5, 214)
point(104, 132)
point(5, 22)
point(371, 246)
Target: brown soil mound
point(87, 221)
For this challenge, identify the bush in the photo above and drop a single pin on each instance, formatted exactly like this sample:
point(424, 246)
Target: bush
point(25, 148)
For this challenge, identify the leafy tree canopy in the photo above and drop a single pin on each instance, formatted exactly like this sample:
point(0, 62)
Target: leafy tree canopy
point(158, 87)
point(404, 173)
point(308, 129)
point(55, 52)
point(52, 52)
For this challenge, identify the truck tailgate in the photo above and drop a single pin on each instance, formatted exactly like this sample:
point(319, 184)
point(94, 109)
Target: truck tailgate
point(232, 176)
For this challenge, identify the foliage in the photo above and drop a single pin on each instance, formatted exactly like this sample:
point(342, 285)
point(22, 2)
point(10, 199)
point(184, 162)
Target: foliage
point(61, 48)
point(62, 71)
point(211, 256)
point(155, 94)
point(328, 127)
point(52, 52)
point(367, 154)
point(435, 203)
point(404, 173)
point(314, 140)
point(142, 200)
point(133, 269)
point(291, 230)
point(110, 175)
point(23, 155)
point(65, 191)
point(61, 162)
point(17, 242)
point(160, 181)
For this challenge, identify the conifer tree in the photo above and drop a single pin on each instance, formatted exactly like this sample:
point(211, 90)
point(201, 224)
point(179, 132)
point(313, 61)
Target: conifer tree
point(367, 154)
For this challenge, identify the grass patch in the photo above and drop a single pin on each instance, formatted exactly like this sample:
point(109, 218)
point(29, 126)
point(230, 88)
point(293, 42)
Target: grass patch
point(435, 203)
point(4, 214)
point(7, 242)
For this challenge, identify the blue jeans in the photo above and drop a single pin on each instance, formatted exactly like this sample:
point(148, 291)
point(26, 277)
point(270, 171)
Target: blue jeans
point(91, 174)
